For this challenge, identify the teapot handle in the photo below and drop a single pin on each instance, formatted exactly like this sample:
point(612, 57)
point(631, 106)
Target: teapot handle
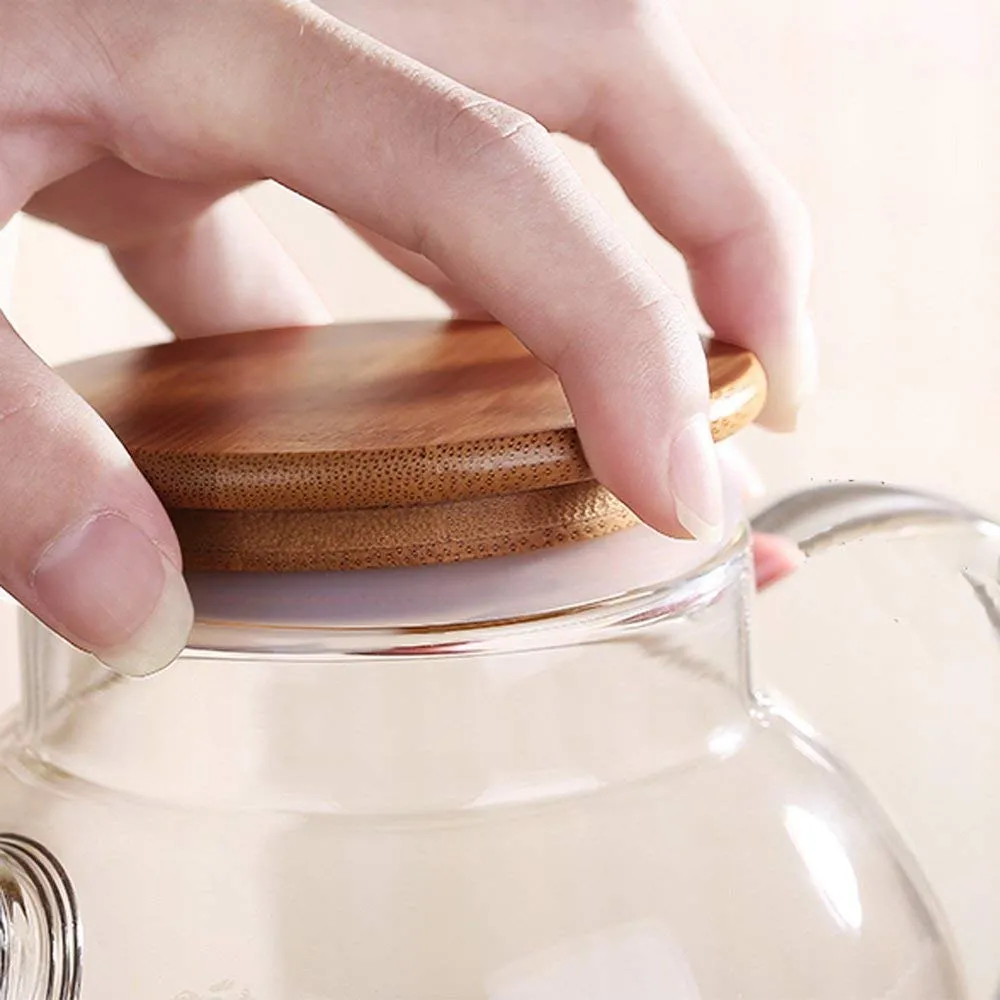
point(963, 547)
point(928, 591)
point(825, 516)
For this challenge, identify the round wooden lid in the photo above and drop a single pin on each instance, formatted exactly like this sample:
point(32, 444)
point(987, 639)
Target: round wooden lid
point(364, 445)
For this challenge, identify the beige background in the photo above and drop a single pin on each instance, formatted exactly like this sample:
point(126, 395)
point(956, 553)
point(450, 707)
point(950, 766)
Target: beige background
point(886, 115)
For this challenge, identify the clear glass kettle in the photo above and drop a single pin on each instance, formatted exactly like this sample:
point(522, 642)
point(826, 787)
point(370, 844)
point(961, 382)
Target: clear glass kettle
point(538, 776)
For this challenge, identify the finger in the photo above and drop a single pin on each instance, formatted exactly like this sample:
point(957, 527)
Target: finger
point(685, 162)
point(421, 270)
point(479, 189)
point(84, 543)
point(736, 467)
point(774, 559)
point(739, 470)
point(199, 256)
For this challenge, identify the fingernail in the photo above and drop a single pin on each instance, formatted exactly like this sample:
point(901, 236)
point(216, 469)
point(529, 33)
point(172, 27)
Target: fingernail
point(696, 481)
point(110, 590)
point(791, 387)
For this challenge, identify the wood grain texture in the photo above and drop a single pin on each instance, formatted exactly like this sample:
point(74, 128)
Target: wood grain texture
point(367, 444)
point(297, 540)
point(366, 415)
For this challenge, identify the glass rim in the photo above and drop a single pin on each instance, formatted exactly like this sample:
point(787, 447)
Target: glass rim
point(555, 625)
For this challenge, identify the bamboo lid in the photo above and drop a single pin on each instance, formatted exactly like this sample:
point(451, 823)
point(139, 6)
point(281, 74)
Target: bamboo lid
point(367, 445)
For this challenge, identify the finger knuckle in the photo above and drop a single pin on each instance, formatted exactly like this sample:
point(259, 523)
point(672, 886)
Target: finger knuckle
point(785, 221)
point(488, 137)
point(772, 212)
point(794, 217)
point(16, 401)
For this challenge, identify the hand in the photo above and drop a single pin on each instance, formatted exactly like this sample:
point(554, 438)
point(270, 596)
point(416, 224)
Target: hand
point(134, 124)
point(608, 72)
point(620, 76)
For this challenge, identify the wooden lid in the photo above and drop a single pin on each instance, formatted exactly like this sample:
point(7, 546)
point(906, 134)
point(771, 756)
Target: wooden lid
point(367, 445)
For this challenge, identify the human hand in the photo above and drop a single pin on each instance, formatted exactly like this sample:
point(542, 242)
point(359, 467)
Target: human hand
point(134, 125)
point(620, 76)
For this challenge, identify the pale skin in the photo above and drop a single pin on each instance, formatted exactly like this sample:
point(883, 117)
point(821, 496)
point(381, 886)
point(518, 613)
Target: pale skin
point(427, 126)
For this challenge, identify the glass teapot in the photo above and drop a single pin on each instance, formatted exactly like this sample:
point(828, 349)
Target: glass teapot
point(538, 775)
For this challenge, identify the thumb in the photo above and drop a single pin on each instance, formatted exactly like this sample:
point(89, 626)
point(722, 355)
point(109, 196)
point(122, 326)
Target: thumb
point(84, 543)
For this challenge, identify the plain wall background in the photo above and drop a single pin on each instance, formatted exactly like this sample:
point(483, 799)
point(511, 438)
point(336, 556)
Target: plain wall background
point(886, 115)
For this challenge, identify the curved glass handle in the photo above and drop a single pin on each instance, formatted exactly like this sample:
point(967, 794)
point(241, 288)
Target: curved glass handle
point(938, 566)
point(831, 515)
point(933, 535)
point(887, 643)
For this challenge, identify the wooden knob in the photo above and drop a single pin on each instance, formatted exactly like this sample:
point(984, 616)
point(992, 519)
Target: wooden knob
point(355, 446)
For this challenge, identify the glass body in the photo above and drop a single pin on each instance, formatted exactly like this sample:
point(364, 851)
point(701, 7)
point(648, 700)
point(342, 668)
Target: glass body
point(590, 803)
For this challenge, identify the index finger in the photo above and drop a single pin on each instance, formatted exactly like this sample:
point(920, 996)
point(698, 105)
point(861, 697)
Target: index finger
point(478, 188)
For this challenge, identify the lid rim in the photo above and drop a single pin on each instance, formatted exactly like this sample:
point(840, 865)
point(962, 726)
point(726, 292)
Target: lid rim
point(454, 531)
point(413, 442)
point(342, 480)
